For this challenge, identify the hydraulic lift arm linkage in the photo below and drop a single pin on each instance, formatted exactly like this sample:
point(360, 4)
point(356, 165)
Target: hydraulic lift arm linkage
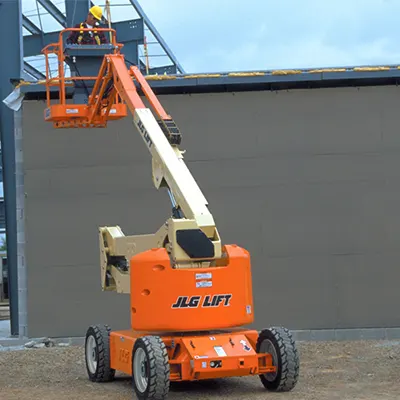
point(189, 235)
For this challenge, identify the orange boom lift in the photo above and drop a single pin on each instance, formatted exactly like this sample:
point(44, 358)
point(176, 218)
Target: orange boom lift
point(190, 296)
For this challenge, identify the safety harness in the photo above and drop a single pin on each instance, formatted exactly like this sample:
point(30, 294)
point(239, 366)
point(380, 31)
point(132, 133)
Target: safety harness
point(96, 36)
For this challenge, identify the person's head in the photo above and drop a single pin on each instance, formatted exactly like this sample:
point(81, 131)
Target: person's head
point(95, 15)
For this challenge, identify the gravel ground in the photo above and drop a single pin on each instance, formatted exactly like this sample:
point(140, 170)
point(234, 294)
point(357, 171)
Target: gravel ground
point(335, 370)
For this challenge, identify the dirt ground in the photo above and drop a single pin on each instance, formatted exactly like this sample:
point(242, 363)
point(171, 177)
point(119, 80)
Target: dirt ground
point(335, 370)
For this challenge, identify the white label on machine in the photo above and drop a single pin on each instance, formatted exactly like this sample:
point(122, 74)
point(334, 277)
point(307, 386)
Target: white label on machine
point(248, 309)
point(246, 347)
point(203, 284)
point(220, 351)
point(112, 111)
point(204, 364)
point(198, 357)
point(207, 275)
point(72, 111)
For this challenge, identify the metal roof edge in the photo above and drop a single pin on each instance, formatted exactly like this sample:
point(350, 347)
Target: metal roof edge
point(251, 80)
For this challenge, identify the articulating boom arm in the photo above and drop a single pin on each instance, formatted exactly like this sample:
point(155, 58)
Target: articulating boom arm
point(190, 235)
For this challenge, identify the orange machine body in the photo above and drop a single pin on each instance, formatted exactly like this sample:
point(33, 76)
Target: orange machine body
point(190, 299)
point(208, 355)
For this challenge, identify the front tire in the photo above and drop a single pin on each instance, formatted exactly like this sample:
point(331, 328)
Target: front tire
point(97, 354)
point(280, 344)
point(150, 368)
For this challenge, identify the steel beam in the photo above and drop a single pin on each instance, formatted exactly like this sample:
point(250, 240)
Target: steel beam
point(157, 35)
point(33, 71)
point(26, 77)
point(33, 44)
point(76, 11)
point(54, 11)
point(30, 26)
point(11, 68)
point(2, 215)
point(131, 53)
point(127, 31)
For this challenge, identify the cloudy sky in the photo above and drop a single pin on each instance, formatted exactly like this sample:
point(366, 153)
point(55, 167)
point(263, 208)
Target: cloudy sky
point(222, 35)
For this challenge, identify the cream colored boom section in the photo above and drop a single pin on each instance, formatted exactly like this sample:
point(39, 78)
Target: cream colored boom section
point(169, 170)
point(168, 166)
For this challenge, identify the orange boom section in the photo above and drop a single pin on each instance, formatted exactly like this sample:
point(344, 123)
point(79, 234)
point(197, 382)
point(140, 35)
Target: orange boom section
point(190, 299)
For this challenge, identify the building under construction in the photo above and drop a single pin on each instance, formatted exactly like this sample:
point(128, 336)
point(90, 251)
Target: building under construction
point(299, 167)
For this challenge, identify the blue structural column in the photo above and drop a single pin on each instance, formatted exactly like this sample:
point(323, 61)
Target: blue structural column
point(76, 11)
point(10, 68)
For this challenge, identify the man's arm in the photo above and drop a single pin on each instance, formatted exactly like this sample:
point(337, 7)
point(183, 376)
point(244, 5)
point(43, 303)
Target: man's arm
point(103, 37)
point(73, 36)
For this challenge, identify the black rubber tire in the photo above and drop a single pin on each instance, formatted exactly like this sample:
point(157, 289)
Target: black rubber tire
point(101, 335)
point(288, 362)
point(157, 371)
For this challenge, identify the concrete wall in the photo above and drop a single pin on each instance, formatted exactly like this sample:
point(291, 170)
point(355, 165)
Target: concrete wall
point(306, 180)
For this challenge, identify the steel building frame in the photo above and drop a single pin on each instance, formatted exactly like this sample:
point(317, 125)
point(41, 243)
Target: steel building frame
point(130, 33)
point(11, 68)
point(14, 69)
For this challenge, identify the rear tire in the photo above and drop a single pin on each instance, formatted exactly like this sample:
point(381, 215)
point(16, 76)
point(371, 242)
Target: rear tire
point(97, 354)
point(150, 368)
point(280, 344)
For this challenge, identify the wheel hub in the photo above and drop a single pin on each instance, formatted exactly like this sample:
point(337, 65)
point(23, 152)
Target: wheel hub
point(140, 370)
point(91, 354)
point(268, 347)
point(143, 368)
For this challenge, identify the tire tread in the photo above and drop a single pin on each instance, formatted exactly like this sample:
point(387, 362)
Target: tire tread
point(288, 374)
point(104, 371)
point(159, 369)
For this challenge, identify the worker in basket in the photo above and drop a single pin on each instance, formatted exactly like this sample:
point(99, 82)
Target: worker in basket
point(89, 37)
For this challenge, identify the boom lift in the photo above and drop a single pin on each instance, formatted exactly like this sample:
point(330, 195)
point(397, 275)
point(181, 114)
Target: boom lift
point(190, 296)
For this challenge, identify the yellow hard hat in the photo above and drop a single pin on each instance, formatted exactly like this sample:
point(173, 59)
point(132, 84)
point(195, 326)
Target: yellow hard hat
point(97, 12)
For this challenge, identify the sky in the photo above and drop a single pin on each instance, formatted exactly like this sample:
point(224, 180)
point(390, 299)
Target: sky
point(222, 35)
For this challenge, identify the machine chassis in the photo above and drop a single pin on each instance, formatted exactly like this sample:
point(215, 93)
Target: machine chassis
point(155, 360)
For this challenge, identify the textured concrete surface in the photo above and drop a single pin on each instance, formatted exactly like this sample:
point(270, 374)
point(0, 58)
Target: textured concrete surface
point(306, 180)
point(328, 371)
